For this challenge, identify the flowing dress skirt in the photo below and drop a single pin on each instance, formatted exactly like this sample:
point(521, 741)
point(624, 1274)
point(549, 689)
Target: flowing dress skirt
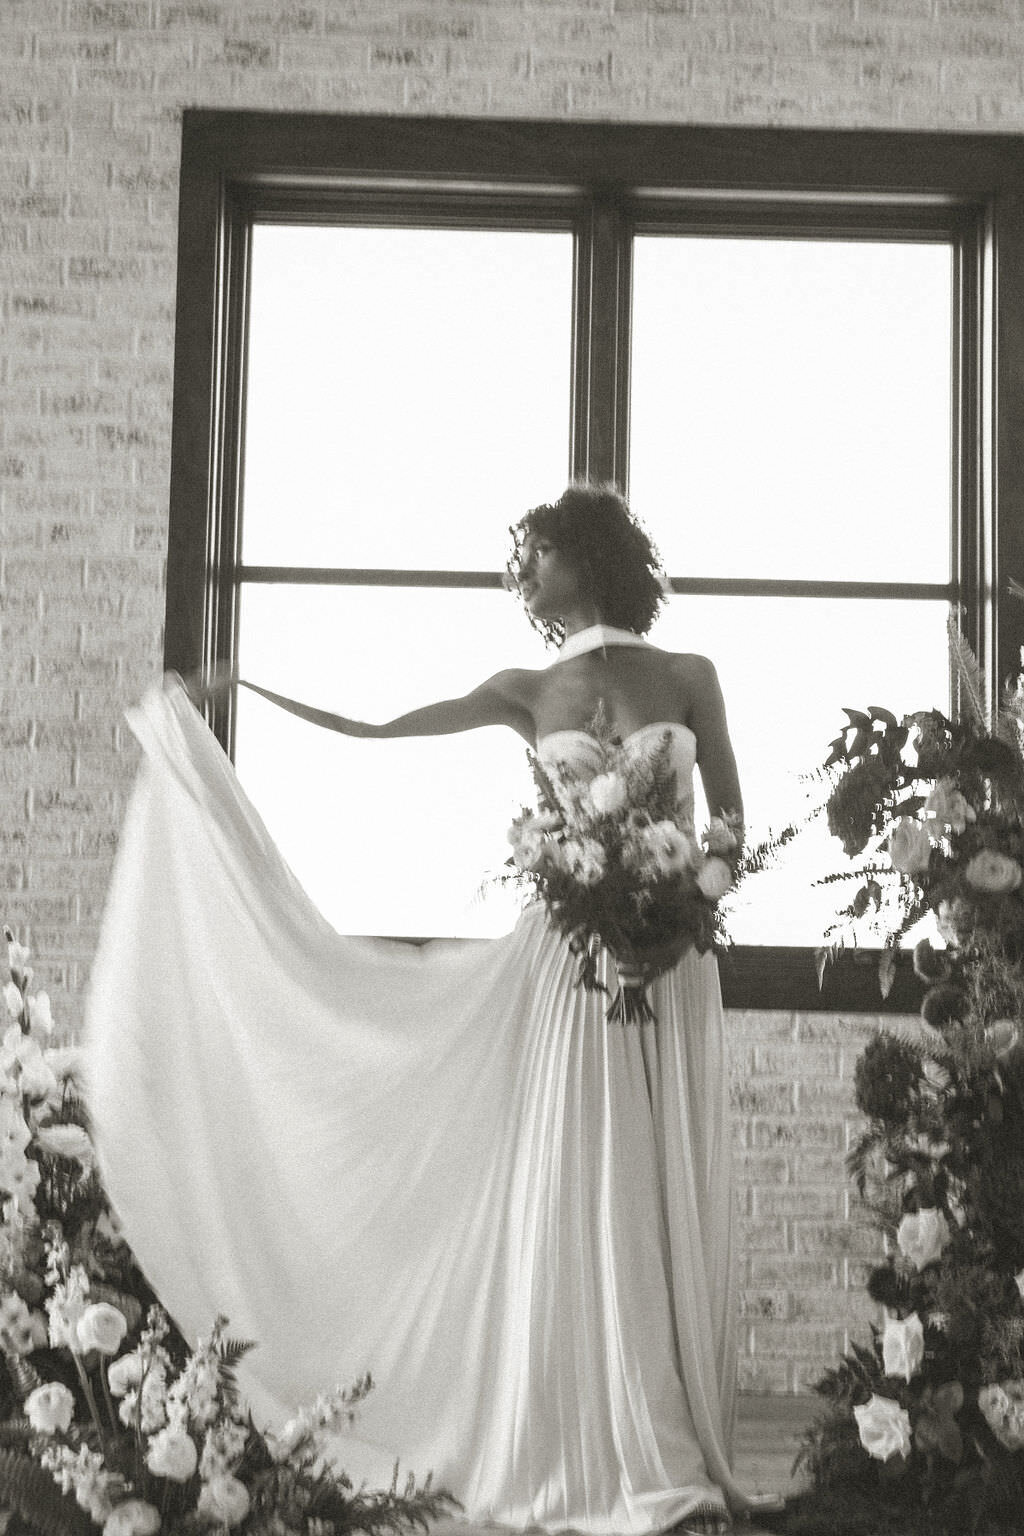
point(438, 1164)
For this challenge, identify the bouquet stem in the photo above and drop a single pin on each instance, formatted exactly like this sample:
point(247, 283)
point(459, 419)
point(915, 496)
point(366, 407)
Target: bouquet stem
point(631, 1004)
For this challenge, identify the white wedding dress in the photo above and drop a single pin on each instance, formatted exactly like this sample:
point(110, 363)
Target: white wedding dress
point(438, 1164)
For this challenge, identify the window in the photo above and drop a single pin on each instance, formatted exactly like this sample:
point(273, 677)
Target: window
point(795, 330)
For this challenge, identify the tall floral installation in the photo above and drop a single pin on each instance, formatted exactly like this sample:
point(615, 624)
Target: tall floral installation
point(108, 1419)
point(922, 1429)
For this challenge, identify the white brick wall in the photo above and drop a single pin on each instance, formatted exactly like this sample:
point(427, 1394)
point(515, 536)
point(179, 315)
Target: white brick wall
point(91, 93)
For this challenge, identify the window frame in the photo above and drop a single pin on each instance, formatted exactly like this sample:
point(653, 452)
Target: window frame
point(608, 181)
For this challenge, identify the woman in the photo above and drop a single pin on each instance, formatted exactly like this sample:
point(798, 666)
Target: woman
point(517, 1215)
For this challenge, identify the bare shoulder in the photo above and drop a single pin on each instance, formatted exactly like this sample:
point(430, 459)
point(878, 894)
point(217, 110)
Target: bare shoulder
point(695, 672)
point(516, 685)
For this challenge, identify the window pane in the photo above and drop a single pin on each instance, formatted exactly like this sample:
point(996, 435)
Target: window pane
point(787, 669)
point(791, 406)
point(387, 836)
point(408, 392)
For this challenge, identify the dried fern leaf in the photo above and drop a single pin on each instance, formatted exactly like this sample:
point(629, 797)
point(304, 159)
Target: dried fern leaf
point(970, 680)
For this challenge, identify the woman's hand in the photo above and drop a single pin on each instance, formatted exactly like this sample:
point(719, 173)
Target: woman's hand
point(221, 679)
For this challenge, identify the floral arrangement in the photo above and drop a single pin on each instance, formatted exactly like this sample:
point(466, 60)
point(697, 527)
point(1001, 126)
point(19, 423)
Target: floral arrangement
point(107, 1419)
point(616, 864)
point(924, 1427)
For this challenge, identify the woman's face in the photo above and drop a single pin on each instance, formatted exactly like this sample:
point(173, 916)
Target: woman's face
point(548, 581)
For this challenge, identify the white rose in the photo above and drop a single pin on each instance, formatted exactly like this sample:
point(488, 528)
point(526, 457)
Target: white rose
point(903, 1346)
point(66, 1141)
point(1003, 1037)
point(50, 1408)
point(909, 847)
point(884, 1428)
point(1002, 1404)
point(994, 873)
point(101, 1327)
point(714, 879)
point(172, 1454)
point(607, 793)
point(947, 805)
point(132, 1518)
point(224, 1499)
point(922, 1236)
point(125, 1373)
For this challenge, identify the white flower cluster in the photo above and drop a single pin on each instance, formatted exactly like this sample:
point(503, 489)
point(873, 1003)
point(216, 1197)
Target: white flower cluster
point(946, 810)
point(576, 838)
point(33, 1083)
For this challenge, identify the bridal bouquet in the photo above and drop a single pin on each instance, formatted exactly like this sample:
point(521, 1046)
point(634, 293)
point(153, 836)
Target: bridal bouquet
point(924, 1431)
point(616, 865)
point(108, 1421)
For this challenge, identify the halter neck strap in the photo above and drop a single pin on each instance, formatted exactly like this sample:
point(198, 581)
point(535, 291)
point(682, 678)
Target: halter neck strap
point(595, 639)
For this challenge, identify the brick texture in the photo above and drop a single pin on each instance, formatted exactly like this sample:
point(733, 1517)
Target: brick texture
point(91, 94)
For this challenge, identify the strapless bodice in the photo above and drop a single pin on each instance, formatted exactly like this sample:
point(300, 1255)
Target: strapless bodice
point(581, 752)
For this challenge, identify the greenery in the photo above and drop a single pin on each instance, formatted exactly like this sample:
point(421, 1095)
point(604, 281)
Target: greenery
point(922, 1428)
point(107, 1418)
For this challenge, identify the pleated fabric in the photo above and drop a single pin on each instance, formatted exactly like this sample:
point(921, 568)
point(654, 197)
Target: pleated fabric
point(437, 1164)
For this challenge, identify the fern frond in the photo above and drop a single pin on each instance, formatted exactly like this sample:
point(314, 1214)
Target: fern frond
point(29, 1492)
point(970, 680)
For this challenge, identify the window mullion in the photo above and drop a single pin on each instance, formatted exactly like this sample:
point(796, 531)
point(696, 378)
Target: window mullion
point(602, 351)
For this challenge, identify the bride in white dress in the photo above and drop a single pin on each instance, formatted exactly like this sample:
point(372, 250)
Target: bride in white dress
point(439, 1164)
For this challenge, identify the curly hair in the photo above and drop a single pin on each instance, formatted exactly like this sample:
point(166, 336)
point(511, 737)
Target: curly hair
point(591, 525)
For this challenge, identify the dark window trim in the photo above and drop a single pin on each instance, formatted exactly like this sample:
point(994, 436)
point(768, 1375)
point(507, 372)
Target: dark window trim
point(609, 179)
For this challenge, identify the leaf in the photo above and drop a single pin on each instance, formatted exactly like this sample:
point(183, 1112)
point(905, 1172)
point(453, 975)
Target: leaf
point(858, 718)
point(887, 717)
point(971, 684)
point(31, 1493)
point(886, 971)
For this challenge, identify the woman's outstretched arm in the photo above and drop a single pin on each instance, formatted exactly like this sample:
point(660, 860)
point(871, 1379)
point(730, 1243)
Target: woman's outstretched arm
point(501, 700)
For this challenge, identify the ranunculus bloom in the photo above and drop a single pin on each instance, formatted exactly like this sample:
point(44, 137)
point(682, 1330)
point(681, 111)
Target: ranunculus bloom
point(21, 1330)
point(223, 1499)
point(931, 964)
point(50, 1408)
point(903, 1346)
point(884, 1428)
point(669, 849)
point(172, 1454)
point(132, 1518)
point(714, 879)
point(125, 1373)
point(909, 847)
point(922, 1236)
point(101, 1327)
point(607, 793)
point(948, 806)
point(586, 859)
point(994, 873)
